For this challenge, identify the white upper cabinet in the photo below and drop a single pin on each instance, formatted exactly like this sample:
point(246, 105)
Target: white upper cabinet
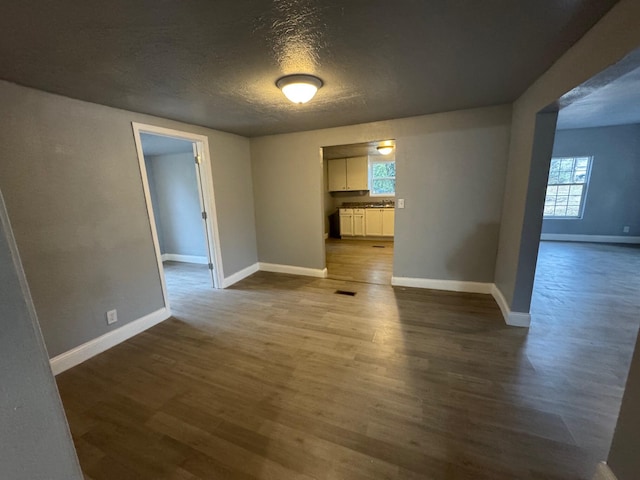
point(347, 174)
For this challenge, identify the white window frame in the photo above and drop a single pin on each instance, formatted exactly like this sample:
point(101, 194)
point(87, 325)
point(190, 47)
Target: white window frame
point(373, 161)
point(585, 187)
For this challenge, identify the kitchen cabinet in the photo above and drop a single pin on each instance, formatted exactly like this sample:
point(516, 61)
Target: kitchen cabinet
point(388, 222)
point(379, 222)
point(358, 222)
point(346, 222)
point(352, 222)
point(347, 174)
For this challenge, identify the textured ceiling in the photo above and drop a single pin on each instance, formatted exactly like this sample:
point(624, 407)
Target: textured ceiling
point(617, 103)
point(214, 63)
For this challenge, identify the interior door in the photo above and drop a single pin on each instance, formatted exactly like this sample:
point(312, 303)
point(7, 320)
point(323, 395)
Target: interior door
point(197, 154)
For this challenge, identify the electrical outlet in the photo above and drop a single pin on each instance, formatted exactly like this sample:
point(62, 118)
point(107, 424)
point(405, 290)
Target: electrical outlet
point(625, 229)
point(401, 203)
point(112, 317)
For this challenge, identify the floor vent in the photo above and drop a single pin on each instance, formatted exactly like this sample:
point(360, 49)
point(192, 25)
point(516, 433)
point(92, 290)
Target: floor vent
point(378, 246)
point(346, 292)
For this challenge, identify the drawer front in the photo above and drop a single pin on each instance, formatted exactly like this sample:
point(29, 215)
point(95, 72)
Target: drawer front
point(346, 211)
point(358, 211)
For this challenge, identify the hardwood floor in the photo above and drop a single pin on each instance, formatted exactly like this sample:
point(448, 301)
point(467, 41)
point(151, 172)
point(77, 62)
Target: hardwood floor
point(360, 260)
point(280, 378)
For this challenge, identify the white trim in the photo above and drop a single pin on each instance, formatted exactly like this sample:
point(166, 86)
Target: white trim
point(566, 237)
point(449, 285)
point(175, 257)
point(308, 272)
point(242, 274)
point(84, 352)
point(201, 143)
point(603, 472)
point(515, 319)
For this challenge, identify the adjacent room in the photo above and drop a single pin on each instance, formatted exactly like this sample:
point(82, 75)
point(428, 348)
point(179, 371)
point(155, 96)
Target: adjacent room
point(298, 240)
point(359, 211)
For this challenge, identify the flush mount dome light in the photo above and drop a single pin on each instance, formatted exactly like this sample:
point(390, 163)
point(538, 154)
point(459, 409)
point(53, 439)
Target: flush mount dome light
point(384, 149)
point(299, 88)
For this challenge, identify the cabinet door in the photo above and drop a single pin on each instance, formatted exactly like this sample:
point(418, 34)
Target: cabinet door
point(373, 221)
point(346, 224)
point(357, 173)
point(337, 172)
point(358, 222)
point(388, 222)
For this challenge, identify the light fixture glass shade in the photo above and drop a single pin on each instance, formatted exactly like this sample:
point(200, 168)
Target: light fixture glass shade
point(299, 88)
point(385, 149)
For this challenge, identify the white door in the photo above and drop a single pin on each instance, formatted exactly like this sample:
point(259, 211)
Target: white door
point(373, 221)
point(346, 222)
point(197, 154)
point(388, 221)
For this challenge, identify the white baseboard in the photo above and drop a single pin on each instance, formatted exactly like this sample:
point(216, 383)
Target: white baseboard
point(83, 352)
point(603, 472)
point(244, 273)
point(450, 285)
point(563, 237)
point(308, 272)
point(515, 319)
point(174, 257)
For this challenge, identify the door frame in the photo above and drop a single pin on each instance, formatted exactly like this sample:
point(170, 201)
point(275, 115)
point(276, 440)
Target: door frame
point(202, 142)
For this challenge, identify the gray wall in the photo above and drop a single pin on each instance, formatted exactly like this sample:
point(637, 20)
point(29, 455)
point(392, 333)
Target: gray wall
point(623, 456)
point(606, 43)
point(613, 198)
point(35, 443)
point(176, 204)
point(450, 170)
point(69, 172)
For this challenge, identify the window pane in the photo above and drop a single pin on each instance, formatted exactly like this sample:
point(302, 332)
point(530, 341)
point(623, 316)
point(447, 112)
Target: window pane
point(549, 200)
point(580, 175)
point(552, 190)
point(573, 211)
point(565, 176)
point(548, 210)
point(381, 186)
point(582, 162)
point(560, 211)
point(562, 200)
point(383, 169)
point(564, 190)
point(576, 190)
point(555, 165)
point(575, 200)
point(566, 164)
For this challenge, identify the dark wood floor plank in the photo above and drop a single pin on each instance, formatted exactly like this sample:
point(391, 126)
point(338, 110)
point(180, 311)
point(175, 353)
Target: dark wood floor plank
point(279, 378)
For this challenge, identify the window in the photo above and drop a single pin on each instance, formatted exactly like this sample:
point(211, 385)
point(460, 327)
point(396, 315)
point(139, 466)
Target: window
point(567, 187)
point(382, 178)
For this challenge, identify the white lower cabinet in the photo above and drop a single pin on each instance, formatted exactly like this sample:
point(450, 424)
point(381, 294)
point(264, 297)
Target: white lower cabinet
point(379, 222)
point(372, 222)
point(358, 222)
point(346, 222)
point(388, 222)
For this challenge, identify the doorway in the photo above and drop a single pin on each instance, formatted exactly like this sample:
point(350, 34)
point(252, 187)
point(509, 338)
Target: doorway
point(359, 211)
point(175, 170)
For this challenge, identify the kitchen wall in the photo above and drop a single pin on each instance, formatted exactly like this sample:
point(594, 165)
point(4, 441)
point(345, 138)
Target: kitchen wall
point(450, 170)
point(70, 175)
point(175, 196)
point(35, 437)
point(608, 42)
point(613, 200)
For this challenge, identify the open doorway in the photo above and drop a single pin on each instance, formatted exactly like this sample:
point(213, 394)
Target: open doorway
point(585, 292)
point(175, 169)
point(359, 211)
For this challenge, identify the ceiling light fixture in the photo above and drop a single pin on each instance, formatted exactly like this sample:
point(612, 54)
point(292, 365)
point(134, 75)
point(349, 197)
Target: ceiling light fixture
point(384, 149)
point(299, 88)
